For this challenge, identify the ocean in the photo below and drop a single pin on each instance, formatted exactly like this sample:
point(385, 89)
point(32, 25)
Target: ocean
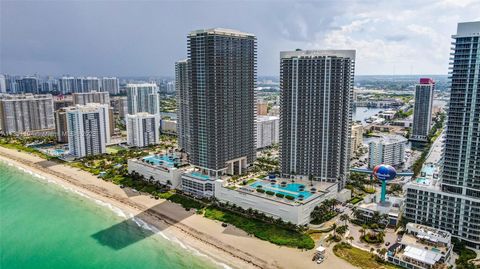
point(46, 225)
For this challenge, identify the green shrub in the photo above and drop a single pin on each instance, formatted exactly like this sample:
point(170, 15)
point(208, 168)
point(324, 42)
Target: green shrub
point(261, 190)
point(279, 195)
point(263, 230)
point(269, 192)
point(289, 197)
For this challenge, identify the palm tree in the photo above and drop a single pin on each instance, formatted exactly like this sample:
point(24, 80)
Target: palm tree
point(345, 218)
point(310, 177)
point(334, 226)
point(362, 231)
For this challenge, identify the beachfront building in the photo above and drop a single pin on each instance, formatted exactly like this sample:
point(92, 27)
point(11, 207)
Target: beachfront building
point(389, 212)
point(221, 101)
point(422, 112)
point(84, 98)
point(388, 150)
point(198, 184)
point(28, 114)
point(422, 247)
point(143, 129)
point(88, 129)
point(163, 169)
point(356, 138)
point(143, 97)
point(316, 112)
point(452, 203)
point(110, 85)
point(268, 131)
point(183, 121)
point(291, 202)
point(61, 130)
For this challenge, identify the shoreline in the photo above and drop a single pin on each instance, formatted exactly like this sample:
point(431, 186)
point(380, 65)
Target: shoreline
point(228, 246)
point(155, 219)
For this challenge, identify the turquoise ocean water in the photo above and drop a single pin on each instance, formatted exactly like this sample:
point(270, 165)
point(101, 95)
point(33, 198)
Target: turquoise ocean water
point(43, 225)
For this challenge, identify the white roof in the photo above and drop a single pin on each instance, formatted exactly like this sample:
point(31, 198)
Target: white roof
point(320, 249)
point(422, 255)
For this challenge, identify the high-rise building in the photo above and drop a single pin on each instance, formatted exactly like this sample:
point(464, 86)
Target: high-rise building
point(315, 118)
point(120, 106)
point(422, 112)
point(356, 138)
point(143, 129)
point(26, 113)
point(143, 98)
point(88, 129)
point(62, 101)
point(453, 204)
point(183, 120)
point(67, 85)
point(222, 74)
point(91, 97)
point(28, 85)
point(90, 84)
point(3, 84)
point(268, 130)
point(61, 130)
point(111, 85)
point(387, 150)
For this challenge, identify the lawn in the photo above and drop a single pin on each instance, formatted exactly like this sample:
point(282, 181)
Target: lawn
point(359, 258)
point(185, 201)
point(113, 149)
point(355, 200)
point(265, 231)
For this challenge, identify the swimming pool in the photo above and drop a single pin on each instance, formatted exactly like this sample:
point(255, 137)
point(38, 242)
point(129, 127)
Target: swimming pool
point(291, 189)
point(167, 160)
point(428, 169)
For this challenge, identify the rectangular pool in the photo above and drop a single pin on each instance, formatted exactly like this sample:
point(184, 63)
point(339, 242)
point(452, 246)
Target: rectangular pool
point(291, 189)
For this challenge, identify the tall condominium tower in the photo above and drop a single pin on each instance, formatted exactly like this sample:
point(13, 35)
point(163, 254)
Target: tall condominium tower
point(143, 129)
point(110, 85)
point(91, 97)
point(315, 96)
point(422, 113)
point(61, 130)
point(88, 129)
point(26, 113)
point(183, 121)
point(28, 85)
point(222, 73)
point(143, 98)
point(67, 85)
point(453, 203)
point(3, 84)
point(90, 84)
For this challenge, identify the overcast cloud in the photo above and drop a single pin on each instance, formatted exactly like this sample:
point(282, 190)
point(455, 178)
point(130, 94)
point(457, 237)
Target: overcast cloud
point(146, 37)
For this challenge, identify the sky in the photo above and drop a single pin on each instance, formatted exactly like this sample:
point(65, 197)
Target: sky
point(145, 38)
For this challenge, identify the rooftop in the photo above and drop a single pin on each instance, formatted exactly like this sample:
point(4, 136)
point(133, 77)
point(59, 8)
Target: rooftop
point(222, 31)
point(200, 176)
point(314, 53)
point(166, 160)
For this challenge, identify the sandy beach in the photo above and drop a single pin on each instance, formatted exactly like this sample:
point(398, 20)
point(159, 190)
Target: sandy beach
point(230, 246)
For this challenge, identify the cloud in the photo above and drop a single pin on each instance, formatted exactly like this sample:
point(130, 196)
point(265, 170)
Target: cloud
point(146, 38)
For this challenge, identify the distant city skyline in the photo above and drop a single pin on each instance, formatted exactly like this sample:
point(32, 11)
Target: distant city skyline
point(109, 38)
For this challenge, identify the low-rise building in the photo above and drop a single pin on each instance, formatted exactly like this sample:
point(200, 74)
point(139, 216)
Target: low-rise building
point(163, 169)
point(198, 184)
point(262, 109)
point(390, 212)
point(267, 131)
point(291, 202)
point(169, 127)
point(421, 247)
